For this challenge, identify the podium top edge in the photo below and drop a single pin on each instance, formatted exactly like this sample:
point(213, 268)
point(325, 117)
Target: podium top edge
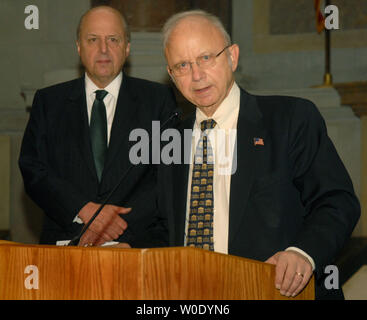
point(136, 250)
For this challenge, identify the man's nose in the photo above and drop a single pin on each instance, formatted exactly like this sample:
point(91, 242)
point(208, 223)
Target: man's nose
point(103, 46)
point(196, 72)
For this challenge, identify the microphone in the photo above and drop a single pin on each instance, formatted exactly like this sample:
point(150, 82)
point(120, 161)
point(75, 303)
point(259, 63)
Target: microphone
point(75, 241)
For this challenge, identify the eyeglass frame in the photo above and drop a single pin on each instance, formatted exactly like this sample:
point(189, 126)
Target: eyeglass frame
point(196, 61)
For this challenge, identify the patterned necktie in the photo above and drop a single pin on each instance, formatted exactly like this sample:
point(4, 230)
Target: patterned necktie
point(200, 228)
point(98, 131)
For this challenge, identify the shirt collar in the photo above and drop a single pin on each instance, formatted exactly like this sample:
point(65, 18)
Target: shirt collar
point(223, 116)
point(113, 88)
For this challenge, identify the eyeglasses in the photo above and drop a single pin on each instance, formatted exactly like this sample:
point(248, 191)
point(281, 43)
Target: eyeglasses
point(204, 62)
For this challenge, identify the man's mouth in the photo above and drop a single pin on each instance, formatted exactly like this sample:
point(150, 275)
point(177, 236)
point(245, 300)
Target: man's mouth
point(202, 90)
point(104, 61)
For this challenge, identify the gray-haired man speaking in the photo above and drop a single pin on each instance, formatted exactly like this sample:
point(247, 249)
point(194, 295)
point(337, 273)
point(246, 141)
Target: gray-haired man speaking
point(290, 201)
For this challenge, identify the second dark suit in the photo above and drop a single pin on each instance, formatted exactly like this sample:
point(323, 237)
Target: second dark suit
point(57, 164)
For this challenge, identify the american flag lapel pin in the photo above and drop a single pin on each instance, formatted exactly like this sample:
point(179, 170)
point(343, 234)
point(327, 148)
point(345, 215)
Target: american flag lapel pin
point(259, 142)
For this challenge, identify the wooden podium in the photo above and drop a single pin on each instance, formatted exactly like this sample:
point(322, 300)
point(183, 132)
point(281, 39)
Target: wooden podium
point(76, 273)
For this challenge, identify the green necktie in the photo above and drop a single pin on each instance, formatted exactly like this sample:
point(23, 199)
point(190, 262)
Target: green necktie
point(98, 131)
point(200, 228)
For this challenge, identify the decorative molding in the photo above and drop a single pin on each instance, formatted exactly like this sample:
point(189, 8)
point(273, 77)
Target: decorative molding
point(354, 94)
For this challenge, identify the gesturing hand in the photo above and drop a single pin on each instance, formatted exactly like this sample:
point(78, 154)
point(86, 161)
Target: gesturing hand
point(292, 272)
point(108, 225)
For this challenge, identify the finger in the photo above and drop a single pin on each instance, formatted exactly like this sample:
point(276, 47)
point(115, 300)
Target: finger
point(105, 220)
point(288, 278)
point(101, 235)
point(122, 210)
point(108, 230)
point(112, 232)
point(101, 241)
point(271, 260)
point(109, 214)
point(117, 226)
point(306, 278)
point(280, 270)
point(123, 245)
point(105, 237)
point(97, 227)
point(120, 245)
point(120, 223)
point(84, 242)
point(297, 281)
point(88, 238)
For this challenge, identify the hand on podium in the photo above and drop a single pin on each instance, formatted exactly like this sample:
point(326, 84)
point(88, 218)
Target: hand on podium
point(292, 272)
point(107, 226)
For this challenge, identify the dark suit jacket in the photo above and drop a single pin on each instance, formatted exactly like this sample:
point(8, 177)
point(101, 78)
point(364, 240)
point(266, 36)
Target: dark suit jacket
point(293, 191)
point(57, 165)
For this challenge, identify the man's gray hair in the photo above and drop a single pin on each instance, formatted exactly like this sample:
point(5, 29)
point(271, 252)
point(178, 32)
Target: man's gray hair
point(172, 22)
point(123, 19)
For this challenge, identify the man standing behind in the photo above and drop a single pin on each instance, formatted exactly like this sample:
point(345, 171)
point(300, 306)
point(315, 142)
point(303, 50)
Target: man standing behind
point(287, 200)
point(76, 144)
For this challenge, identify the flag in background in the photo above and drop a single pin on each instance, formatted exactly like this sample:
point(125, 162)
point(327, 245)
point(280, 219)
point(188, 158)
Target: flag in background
point(320, 19)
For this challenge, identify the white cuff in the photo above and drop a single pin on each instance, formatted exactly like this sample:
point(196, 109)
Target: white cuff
point(63, 243)
point(78, 220)
point(304, 254)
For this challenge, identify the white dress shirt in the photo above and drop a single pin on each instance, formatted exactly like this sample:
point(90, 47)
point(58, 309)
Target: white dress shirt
point(110, 99)
point(226, 117)
point(222, 143)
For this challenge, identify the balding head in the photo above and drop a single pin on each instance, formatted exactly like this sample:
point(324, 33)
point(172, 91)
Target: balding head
point(176, 19)
point(112, 10)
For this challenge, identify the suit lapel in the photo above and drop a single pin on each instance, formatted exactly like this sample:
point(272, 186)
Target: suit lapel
point(124, 121)
point(180, 182)
point(249, 126)
point(79, 123)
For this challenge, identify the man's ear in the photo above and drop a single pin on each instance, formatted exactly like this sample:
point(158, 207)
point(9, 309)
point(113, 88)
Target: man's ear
point(78, 47)
point(127, 50)
point(170, 74)
point(169, 71)
point(234, 56)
